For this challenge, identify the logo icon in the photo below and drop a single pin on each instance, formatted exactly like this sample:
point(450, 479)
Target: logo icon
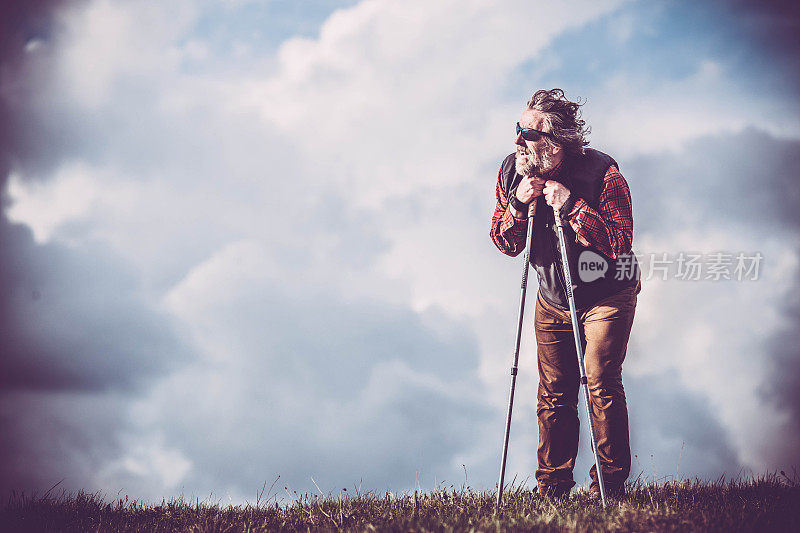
point(591, 266)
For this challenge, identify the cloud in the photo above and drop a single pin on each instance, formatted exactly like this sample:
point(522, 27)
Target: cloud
point(723, 340)
point(74, 323)
point(305, 384)
point(673, 431)
point(781, 386)
point(752, 170)
point(78, 322)
point(772, 27)
point(57, 436)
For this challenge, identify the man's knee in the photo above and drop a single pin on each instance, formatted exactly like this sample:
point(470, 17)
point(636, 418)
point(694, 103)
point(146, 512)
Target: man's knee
point(606, 387)
point(557, 393)
point(550, 415)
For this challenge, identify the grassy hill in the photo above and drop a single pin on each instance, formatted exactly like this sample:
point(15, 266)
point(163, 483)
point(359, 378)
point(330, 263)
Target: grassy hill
point(769, 503)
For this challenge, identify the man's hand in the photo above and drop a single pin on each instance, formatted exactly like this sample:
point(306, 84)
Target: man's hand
point(529, 188)
point(555, 194)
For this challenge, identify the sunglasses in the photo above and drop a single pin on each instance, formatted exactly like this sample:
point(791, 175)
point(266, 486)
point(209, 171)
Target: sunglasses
point(530, 134)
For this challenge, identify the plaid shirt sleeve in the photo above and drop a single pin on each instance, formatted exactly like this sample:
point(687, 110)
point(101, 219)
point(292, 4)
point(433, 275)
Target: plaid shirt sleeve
point(611, 229)
point(507, 232)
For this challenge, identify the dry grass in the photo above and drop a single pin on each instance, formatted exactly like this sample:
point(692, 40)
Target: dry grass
point(767, 503)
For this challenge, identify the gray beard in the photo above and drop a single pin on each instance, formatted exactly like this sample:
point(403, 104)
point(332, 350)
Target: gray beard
point(525, 166)
point(529, 163)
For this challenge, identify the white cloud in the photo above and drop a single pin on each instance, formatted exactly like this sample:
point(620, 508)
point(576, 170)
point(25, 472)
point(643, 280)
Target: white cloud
point(109, 43)
point(399, 95)
point(148, 462)
point(45, 206)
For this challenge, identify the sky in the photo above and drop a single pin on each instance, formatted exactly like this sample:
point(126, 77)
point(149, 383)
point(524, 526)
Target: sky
point(248, 241)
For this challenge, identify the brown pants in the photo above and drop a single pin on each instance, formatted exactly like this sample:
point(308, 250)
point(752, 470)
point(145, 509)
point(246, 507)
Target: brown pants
point(605, 328)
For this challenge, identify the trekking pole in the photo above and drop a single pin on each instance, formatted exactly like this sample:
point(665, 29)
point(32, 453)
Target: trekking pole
point(579, 348)
point(531, 212)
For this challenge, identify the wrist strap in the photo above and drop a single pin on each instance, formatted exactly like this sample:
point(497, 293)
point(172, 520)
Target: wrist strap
point(567, 207)
point(518, 205)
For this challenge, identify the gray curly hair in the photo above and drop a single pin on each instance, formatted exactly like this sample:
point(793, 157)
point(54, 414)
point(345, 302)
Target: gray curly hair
point(562, 118)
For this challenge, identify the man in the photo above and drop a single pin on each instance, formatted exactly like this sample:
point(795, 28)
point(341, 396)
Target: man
point(553, 167)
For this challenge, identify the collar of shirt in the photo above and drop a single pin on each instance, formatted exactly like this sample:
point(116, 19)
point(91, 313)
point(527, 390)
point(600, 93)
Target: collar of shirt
point(554, 173)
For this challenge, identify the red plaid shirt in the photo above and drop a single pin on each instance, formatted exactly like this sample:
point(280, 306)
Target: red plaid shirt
point(610, 229)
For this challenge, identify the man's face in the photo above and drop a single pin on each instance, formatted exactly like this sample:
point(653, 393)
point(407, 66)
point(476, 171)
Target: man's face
point(533, 157)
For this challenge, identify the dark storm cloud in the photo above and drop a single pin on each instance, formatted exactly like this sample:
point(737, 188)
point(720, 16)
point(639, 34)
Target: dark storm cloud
point(773, 26)
point(21, 23)
point(748, 179)
point(761, 37)
point(678, 426)
point(72, 323)
point(746, 183)
point(73, 320)
point(70, 319)
point(783, 385)
point(51, 437)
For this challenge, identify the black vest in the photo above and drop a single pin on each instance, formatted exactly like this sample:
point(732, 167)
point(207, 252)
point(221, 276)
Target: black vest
point(594, 275)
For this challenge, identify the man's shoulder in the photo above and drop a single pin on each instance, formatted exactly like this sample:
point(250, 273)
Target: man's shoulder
point(590, 166)
point(509, 163)
point(508, 169)
point(593, 158)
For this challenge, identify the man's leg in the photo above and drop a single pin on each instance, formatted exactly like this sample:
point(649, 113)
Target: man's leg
point(606, 328)
point(557, 408)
